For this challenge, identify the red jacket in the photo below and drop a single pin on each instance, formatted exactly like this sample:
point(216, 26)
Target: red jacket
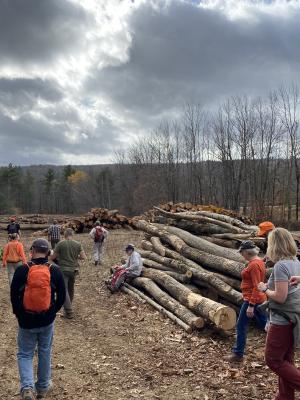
point(254, 273)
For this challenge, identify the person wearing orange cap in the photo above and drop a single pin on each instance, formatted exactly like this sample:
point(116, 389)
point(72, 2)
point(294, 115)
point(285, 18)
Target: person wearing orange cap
point(265, 228)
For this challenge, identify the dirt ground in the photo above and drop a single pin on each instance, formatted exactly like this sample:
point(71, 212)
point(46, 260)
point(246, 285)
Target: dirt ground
point(118, 348)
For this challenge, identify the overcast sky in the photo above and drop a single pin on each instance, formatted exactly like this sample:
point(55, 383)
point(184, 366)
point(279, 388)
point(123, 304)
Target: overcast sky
point(81, 78)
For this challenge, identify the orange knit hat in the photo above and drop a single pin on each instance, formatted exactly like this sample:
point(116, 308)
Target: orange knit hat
point(265, 227)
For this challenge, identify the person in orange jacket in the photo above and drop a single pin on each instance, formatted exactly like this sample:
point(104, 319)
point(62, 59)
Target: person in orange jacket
point(252, 274)
point(13, 255)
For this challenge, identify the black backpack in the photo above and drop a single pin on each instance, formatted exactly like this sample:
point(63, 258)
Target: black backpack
point(12, 228)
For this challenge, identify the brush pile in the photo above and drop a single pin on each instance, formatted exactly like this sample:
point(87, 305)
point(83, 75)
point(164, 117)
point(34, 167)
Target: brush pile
point(192, 267)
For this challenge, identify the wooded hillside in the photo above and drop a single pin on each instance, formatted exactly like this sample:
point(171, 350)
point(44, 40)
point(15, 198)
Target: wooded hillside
point(244, 156)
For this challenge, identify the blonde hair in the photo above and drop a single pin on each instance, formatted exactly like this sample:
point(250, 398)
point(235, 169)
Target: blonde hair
point(281, 245)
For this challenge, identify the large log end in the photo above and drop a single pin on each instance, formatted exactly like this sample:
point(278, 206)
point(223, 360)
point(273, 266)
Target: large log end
point(225, 318)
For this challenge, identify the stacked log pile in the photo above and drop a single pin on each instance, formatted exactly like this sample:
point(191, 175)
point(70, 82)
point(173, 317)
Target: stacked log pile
point(110, 219)
point(173, 208)
point(192, 266)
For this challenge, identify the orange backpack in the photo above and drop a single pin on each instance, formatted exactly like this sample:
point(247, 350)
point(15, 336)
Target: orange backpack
point(37, 294)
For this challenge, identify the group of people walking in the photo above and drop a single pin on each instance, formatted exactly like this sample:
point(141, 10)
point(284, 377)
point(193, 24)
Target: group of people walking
point(274, 304)
point(42, 286)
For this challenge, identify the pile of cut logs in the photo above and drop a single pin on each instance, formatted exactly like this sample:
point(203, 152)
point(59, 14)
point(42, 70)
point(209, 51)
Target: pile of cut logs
point(110, 219)
point(189, 207)
point(192, 267)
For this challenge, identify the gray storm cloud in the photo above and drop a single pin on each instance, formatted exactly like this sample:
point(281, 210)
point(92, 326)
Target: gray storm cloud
point(77, 80)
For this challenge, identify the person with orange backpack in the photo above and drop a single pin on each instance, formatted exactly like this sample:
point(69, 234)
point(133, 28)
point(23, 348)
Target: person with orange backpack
point(99, 236)
point(37, 294)
point(13, 255)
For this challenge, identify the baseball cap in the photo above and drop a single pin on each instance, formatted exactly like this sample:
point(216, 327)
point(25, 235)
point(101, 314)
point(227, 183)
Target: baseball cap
point(247, 245)
point(129, 247)
point(41, 245)
point(265, 227)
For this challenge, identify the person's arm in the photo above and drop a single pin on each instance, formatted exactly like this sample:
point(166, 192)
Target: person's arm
point(5, 255)
point(255, 278)
point(279, 294)
point(54, 255)
point(134, 263)
point(295, 280)
point(82, 255)
point(60, 289)
point(281, 278)
point(92, 233)
point(22, 253)
point(18, 282)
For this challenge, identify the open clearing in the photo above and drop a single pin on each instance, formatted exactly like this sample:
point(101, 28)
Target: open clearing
point(118, 348)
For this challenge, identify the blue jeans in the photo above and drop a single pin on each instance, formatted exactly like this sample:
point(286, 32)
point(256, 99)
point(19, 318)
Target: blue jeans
point(28, 340)
point(242, 327)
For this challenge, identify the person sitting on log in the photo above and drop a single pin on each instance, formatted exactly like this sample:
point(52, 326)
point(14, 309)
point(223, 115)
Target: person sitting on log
point(253, 273)
point(99, 235)
point(131, 269)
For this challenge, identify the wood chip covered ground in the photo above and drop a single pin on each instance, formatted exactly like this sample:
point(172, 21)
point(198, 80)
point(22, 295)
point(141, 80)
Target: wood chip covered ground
point(118, 348)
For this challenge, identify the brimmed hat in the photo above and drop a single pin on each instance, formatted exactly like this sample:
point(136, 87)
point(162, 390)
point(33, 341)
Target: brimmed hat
point(129, 247)
point(247, 245)
point(265, 227)
point(41, 245)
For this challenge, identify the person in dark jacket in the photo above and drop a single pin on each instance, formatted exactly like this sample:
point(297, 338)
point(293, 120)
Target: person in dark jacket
point(13, 227)
point(36, 328)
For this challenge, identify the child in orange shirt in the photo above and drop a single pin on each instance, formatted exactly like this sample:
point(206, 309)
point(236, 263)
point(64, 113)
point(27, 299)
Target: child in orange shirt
point(13, 255)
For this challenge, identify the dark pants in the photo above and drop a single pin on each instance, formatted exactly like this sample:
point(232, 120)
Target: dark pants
point(69, 278)
point(54, 243)
point(280, 359)
point(242, 327)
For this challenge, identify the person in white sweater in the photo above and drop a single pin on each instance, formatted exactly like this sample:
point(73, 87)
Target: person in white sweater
point(99, 236)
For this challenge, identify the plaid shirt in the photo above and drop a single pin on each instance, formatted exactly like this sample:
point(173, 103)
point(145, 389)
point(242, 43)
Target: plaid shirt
point(54, 232)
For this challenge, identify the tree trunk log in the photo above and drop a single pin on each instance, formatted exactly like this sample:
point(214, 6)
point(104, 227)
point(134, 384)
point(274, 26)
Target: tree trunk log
point(169, 303)
point(223, 317)
point(190, 226)
point(151, 258)
point(160, 308)
point(182, 278)
point(220, 264)
point(229, 220)
point(160, 249)
point(202, 244)
point(230, 244)
point(194, 217)
point(207, 277)
point(153, 264)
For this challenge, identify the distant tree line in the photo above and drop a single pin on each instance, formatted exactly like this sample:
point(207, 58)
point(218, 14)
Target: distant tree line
point(243, 156)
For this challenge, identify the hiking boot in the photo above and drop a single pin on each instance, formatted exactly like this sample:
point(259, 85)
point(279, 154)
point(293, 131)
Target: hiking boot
point(67, 315)
point(96, 263)
point(234, 358)
point(28, 394)
point(41, 394)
